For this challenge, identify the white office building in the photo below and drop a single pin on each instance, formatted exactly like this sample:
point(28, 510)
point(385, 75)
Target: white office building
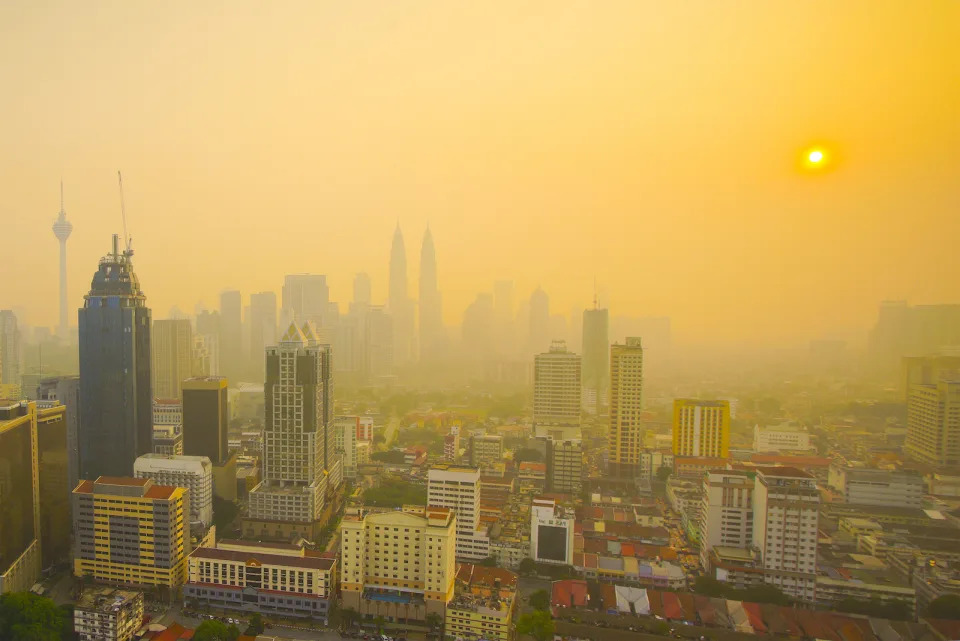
point(867, 486)
point(457, 487)
point(726, 517)
point(194, 473)
point(551, 533)
point(780, 438)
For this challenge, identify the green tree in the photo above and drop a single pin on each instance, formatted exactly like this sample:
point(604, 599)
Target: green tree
point(395, 457)
point(528, 454)
point(215, 631)
point(24, 616)
point(256, 626)
point(349, 616)
point(540, 600)
point(434, 620)
point(664, 473)
point(527, 566)
point(379, 621)
point(763, 593)
point(708, 586)
point(945, 607)
point(224, 513)
point(489, 562)
point(897, 610)
point(537, 624)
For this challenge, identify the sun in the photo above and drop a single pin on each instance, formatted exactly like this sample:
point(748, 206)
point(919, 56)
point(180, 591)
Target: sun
point(816, 159)
point(815, 156)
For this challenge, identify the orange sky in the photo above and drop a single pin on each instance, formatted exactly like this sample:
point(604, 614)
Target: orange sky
point(650, 144)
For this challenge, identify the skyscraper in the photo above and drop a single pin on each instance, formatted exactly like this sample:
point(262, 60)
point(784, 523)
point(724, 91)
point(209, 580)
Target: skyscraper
point(20, 498)
point(933, 421)
point(431, 309)
point(539, 336)
point(9, 348)
point(263, 327)
point(298, 407)
point(305, 297)
point(116, 403)
point(626, 403)
point(399, 303)
point(701, 428)
point(54, 486)
point(556, 387)
point(62, 229)
point(503, 317)
point(171, 356)
point(231, 334)
point(205, 418)
point(66, 390)
point(362, 290)
point(596, 364)
point(457, 487)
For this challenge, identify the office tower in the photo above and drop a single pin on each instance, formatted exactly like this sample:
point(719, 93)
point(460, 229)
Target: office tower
point(208, 343)
point(431, 303)
point(287, 580)
point(927, 370)
point(478, 328)
point(538, 340)
point(205, 418)
point(400, 565)
point(378, 344)
point(564, 465)
point(116, 425)
point(933, 422)
point(62, 229)
point(786, 508)
point(20, 553)
point(108, 614)
point(596, 365)
point(130, 530)
point(871, 486)
point(399, 303)
point(457, 487)
point(726, 517)
point(486, 450)
point(231, 334)
point(362, 289)
point(625, 439)
point(54, 482)
point(9, 348)
point(298, 399)
point(305, 297)
point(903, 330)
point(193, 473)
point(551, 532)
point(556, 387)
point(503, 317)
point(171, 357)
point(66, 390)
point(701, 428)
point(263, 327)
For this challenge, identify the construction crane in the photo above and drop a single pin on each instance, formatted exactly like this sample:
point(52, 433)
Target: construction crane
point(123, 214)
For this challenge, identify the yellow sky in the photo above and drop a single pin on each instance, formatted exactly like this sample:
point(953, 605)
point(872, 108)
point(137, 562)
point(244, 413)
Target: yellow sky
point(653, 145)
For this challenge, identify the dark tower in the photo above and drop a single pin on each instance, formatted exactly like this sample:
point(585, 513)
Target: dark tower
point(116, 421)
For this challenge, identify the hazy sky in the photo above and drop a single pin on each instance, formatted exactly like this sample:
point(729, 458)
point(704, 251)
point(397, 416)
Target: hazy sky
point(652, 145)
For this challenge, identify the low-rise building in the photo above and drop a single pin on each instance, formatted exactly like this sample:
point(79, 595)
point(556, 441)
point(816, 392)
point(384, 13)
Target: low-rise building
point(786, 437)
point(551, 532)
point(483, 606)
point(485, 450)
point(168, 439)
point(866, 486)
point(269, 578)
point(107, 614)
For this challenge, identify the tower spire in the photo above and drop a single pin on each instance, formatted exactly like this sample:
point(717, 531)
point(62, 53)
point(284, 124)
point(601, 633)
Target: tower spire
point(62, 212)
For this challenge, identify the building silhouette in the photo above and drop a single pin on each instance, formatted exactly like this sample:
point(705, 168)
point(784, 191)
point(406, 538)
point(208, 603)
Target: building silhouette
point(171, 356)
point(625, 438)
point(62, 229)
point(231, 335)
point(596, 363)
point(399, 304)
point(116, 403)
point(263, 328)
point(431, 305)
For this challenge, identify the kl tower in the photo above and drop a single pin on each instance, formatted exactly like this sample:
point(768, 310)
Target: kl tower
point(62, 229)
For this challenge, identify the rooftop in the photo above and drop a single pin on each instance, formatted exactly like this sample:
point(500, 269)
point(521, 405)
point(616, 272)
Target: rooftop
point(263, 558)
point(105, 599)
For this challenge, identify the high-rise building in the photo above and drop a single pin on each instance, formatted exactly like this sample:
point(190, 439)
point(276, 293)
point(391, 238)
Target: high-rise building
point(905, 330)
point(786, 509)
point(540, 336)
point(431, 303)
point(171, 356)
point(486, 450)
point(108, 614)
point(130, 530)
point(205, 418)
point(377, 356)
point(503, 319)
point(625, 439)
point(701, 428)
point(54, 482)
point(556, 387)
point(193, 473)
point(929, 369)
point(9, 348)
point(399, 303)
point(66, 390)
point(551, 532)
point(399, 564)
point(305, 297)
point(933, 422)
point(726, 517)
point(299, 462)
point(564, 465)
point(207, 347)
point(263, 327)
point(478, 328)
point(362, 289)
point(352, 437)
point(62, 229)
point(231, 334)
point(457, 487)
point(596, 359)
point(116, 401)
point(20, 548)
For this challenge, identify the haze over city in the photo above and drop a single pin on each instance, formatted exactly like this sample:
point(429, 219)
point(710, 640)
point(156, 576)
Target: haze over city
point(652, 148)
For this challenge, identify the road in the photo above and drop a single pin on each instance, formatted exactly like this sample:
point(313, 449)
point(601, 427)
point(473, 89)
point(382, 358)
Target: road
point(391, 432)
point(175, 615)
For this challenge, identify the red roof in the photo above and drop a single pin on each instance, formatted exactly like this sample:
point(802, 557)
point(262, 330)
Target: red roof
point(755, 616)
point(570, 593)
point(671, 606)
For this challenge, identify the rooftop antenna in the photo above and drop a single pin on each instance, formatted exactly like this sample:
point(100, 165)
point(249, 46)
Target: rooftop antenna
point(123, 214)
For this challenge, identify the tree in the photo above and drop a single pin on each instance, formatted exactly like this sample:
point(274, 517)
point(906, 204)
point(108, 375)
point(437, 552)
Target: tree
point(349, 616)
point(215, 631)
point(898, 610)
point(540, 600)
point(224, 513)
point(24, 616)
point(528, 454)
point(664, 473)
point(379, 621)
point(489, 562)
point(945, 607)
point(434, 620)
point(527, 566)
point(395, 457)
point(256, 625)
point(537, 624)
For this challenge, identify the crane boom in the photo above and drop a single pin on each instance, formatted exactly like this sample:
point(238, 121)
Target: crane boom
point(123, 212)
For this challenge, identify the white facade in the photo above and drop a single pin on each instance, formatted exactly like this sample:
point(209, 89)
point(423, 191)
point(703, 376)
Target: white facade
point(652, 460)
point(786, 507)
point(864, 486)
point(167, 412)
point(556, 386)
point(782, 438)
point(194, 473)
point(350, 433)
point(726, 517)
point(551, 533)
point(458, 488)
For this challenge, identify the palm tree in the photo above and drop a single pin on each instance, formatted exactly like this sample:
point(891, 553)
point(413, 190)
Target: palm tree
point(379, 621)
